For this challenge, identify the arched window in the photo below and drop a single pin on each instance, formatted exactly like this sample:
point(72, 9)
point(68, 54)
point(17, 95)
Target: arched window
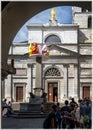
point(52, 72)
point(84, 10)
point(52, 39)
point(89, 22)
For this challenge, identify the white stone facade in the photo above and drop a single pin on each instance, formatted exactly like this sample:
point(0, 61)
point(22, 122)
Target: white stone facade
point(66, 33)
point(68, 68)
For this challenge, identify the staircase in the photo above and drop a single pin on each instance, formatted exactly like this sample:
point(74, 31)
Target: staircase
point(29, 110)
point(28, 114)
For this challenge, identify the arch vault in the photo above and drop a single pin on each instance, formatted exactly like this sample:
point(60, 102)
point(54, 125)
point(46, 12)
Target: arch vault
point(15, 14)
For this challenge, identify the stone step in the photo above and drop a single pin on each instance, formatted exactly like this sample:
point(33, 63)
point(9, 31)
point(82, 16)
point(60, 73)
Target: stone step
point(30, 107)
point(28, 112)
point(28, 115)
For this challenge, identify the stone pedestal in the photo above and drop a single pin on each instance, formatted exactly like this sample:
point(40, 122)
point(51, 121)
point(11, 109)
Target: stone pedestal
point(38, 91)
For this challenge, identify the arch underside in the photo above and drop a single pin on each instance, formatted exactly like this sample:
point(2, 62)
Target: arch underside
point(15, 14)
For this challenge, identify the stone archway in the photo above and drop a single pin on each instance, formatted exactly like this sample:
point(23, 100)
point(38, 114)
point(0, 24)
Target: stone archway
point(15, 14)
point(52, 75)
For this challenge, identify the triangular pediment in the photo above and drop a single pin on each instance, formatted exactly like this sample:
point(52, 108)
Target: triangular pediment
point(59, 50)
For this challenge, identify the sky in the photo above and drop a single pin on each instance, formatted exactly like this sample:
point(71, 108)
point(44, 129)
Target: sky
point(63, 16)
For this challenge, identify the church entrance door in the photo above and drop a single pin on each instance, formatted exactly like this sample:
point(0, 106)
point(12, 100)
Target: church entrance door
point(52, 91)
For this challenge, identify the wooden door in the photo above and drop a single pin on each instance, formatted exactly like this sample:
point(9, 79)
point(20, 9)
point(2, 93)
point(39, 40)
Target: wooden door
point(86, 92)
point(52, 91)
point(50, 94)
point(19, 93)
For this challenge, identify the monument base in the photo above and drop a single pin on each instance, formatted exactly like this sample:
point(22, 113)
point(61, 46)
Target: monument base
point(36, 98)
point(38, 91)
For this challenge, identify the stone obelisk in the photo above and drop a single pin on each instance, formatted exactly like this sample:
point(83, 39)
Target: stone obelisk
point(38, 81)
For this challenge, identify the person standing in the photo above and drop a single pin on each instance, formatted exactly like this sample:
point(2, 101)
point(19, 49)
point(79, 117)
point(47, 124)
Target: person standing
point(65, 111)
point(9, 107)
point(51, 121)
point(58, 115)
point(42, 107)
point(4, 107)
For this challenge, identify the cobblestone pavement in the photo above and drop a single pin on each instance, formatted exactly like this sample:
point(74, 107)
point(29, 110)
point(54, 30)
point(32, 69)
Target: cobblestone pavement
point(22, 123)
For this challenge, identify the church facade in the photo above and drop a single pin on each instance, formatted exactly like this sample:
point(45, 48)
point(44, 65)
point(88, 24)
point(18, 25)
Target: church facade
point(65, 73)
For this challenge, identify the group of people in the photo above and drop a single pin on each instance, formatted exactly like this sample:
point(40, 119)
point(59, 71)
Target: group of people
point(6, 108)
point(71, 115)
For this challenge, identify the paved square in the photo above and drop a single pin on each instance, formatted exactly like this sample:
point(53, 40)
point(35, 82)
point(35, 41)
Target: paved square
point(19, 123)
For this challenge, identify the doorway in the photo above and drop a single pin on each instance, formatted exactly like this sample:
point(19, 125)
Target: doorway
point(86, 92)
point(19, 94)
point(53, 91)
